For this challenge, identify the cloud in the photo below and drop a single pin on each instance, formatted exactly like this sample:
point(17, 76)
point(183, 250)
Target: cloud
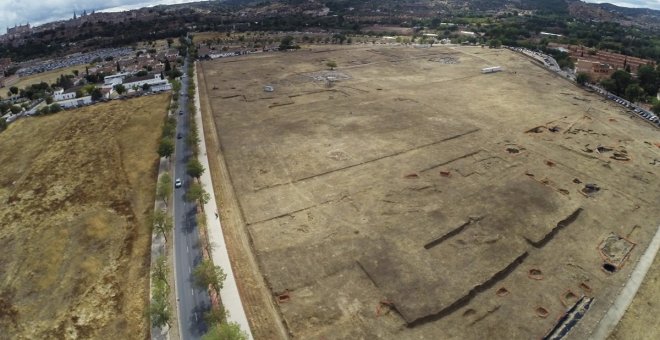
point(19, 12)
point(653, 4)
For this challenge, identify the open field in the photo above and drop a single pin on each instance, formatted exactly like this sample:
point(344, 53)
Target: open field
point(76, 190)
point(414, 197)
point(49, 77)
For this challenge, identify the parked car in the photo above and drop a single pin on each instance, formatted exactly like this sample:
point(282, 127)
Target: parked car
point(178, 183)
point(178, 136)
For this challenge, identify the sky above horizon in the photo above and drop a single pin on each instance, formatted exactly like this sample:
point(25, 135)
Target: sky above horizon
point(653, 4)
point(36, 12)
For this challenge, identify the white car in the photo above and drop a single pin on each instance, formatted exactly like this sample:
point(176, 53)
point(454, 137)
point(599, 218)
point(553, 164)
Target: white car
point(178, 183)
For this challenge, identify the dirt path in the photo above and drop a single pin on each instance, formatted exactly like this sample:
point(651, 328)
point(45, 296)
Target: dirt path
point(264, 318)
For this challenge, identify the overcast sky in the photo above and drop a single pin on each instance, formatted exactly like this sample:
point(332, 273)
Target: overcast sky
point(37, 12)
point(654, 4)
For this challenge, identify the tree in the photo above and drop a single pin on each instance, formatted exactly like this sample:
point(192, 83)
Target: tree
point(118, 67)
point(287, 43)
point(55, 108)
point(97, 94)
point(159, 311)
point(120, 88)
point(3, 124)
point(582, 78)
point(215, 316)
point(649, 79)
point(162, 223)
point(622, 79)
point(75, 72)
point(197, 193)
point(15, 109)
point(170, 41)
point(13, 90)
point(164, 188)
point(494, 43)
point(225, 331)
point(146, 87)
point(609, 85)
point(195, 168)
point(206, 274)
point(166, 147)
point(331, 64)
point(49, 100)
point(634, 93)
point(656, 107)
point(160, 270)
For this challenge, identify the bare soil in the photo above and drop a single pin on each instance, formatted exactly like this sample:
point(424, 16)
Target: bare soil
point(408, 197)
point(76, 189)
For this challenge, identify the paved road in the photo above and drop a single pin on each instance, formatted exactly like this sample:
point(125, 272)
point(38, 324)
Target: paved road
point(192, 301)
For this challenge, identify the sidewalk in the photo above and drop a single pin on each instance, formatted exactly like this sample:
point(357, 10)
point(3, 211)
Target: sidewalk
point(229, 295)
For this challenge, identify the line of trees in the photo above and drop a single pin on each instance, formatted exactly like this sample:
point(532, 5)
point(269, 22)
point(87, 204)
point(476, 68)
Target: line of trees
point(160, 311)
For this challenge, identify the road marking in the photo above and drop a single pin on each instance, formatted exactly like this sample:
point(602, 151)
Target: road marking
point(193, 291)
point(187, 249)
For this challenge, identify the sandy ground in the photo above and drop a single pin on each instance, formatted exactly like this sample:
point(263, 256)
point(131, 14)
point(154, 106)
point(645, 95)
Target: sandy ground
point(407, 195)
point(76, 190)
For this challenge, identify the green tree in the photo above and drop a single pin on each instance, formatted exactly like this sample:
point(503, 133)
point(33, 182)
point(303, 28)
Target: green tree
point(96, 94)
point(15, 109)
point(49, 100)
point(608, 84)
point(582, 78)
point(634, 93)
point(197, 193)
point(622, 79)
point(195, 168)
point(170, 41)
point(494, 43)
point(331, 64)
point(656, 107)
point(3, 124)
point(225, 331)
point(159, 311)
point(162, 223)
point(120, 88)
point(164, 188)
point(13, 90)
point(207, 274)
point(649, 79)
point(160, 270)
point(55, 108)
point(166, 147)
point(287, 43)
point(215, 316)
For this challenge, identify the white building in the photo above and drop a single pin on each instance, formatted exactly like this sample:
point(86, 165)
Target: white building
point(75, 102)
point(59, 95)
point(137, 82)
point(115, 79)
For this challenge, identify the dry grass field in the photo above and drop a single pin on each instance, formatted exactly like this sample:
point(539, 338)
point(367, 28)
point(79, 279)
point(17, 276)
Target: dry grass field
point(414, 197)
point(48, 77)
point(76, 189)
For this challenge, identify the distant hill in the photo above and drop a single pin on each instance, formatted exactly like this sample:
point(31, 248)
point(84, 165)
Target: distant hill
point(609, 12)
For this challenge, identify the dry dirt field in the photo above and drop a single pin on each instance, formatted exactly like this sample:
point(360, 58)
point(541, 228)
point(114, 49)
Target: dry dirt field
point(76, 189)
point(415, 197)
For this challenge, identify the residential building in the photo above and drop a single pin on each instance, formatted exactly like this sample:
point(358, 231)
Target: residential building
point(595, 69)
point(60, 94)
